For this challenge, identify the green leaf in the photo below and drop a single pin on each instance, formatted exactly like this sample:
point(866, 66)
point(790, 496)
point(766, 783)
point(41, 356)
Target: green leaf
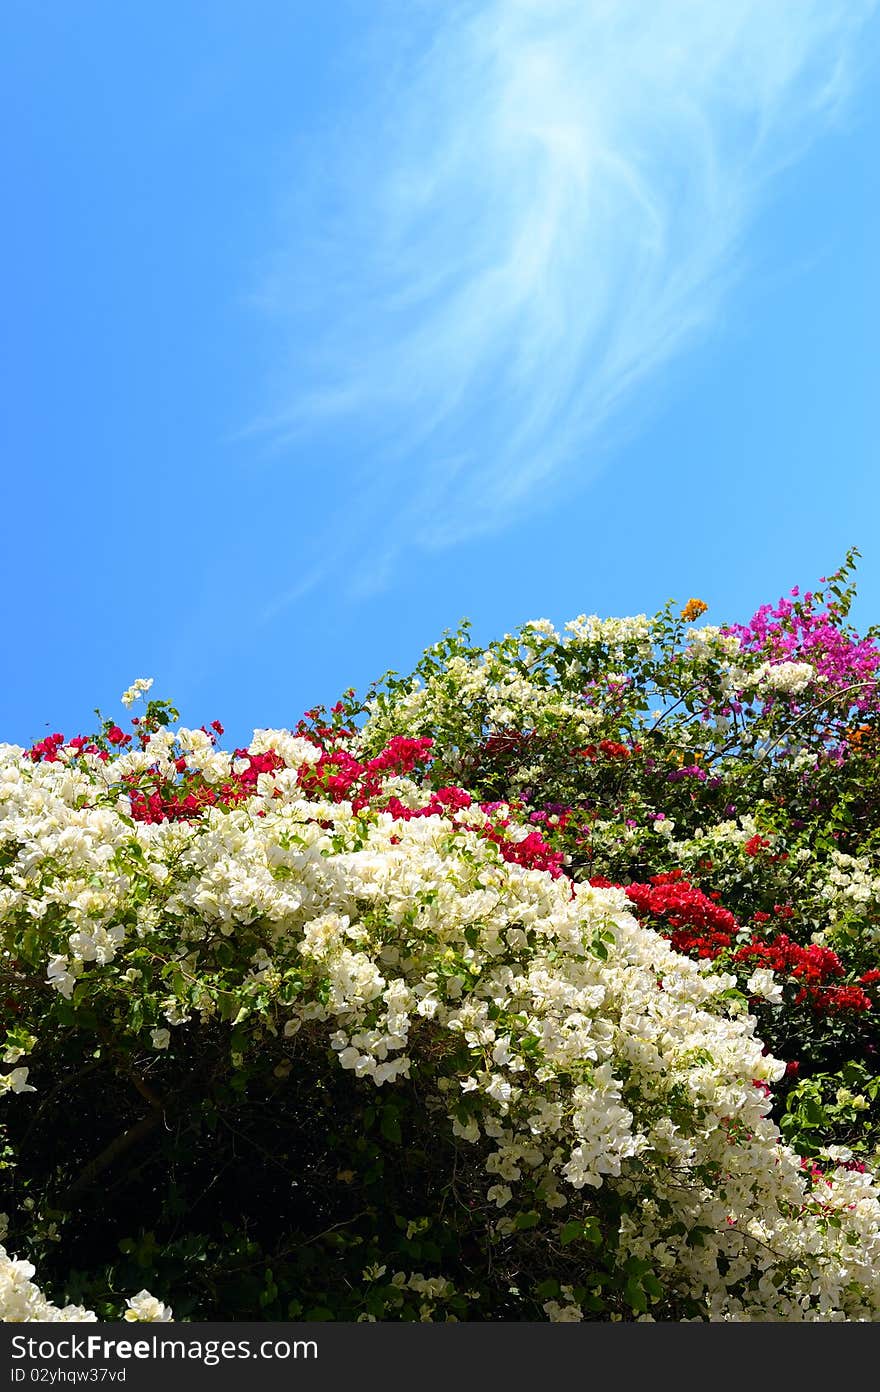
point(547, 1290)
point(635, 1296)
point(390, 1125)
point(527, 1220)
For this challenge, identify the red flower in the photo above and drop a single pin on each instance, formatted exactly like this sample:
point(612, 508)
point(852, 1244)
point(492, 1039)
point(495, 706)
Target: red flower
point(700, 924)
point(755, 845)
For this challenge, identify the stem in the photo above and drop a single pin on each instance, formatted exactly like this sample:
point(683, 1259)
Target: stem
point(835, 695)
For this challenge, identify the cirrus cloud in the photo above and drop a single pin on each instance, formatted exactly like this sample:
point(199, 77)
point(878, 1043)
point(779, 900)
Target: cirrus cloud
point(542, 204)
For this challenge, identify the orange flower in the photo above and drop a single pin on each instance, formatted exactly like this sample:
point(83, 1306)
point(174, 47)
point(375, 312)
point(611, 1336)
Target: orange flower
point(693, 609)
point(863, 738)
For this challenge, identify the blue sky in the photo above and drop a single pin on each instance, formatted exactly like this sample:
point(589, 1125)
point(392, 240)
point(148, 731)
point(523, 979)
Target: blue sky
point(327, 326)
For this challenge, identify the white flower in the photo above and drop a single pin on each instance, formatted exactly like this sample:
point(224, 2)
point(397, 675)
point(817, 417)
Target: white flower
point(562, 1314)
point(161, 1038)
point(499, 1194)
point(146, 1309)
point(136, 690)
point(839, 1153)
point(174, 1014)
point(16, 1081)
point(59, 976)
point(499, 1088)
point(787, 678)
point(23, 1302)
point(763, 982)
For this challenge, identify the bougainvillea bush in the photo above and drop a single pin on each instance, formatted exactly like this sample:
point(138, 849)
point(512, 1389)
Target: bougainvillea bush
point(539, 984)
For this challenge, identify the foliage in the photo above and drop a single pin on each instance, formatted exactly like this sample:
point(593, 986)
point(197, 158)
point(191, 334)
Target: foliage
point(541, 983)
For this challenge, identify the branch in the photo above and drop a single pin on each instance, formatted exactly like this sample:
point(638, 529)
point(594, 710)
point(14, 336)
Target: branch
point(835, 695)
point(118, 1146)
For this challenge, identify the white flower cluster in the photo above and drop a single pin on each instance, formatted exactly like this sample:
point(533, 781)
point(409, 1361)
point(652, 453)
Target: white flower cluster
point(720, 836)
point(503, 697)
point(851, 882)
point(138, 688)
point(569, 1313)
point(144, 1308)
point(783, 678)
point(597, 1055)
point(613, 633)
point(22, 1301)
point(709, 641)
point(432, 1291)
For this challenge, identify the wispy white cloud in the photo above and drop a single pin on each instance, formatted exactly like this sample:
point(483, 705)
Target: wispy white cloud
point(545, 202)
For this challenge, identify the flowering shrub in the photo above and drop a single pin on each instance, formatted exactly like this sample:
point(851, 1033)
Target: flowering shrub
point(697, 767)
point(544, 991)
